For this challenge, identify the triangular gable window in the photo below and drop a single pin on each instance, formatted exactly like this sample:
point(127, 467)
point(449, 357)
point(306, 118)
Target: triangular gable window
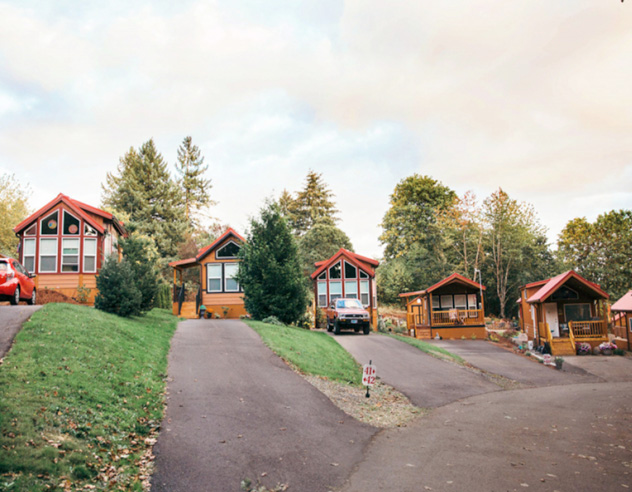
point(363, 274)
point(50, 225)
point(350, 271)
point(335, 271)
point(31, 231)
point(71, 225)
point(323, 276)
point(563, 293)
point(229, 250)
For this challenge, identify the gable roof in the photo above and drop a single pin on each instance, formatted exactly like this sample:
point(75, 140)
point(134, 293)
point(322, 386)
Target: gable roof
point(623, 304)
point(230, 232)
point(455, 277)
point(358, 261)
point(556, 282)
point(77, 208)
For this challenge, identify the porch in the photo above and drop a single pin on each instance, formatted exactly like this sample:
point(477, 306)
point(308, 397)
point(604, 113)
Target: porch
point(593, 332)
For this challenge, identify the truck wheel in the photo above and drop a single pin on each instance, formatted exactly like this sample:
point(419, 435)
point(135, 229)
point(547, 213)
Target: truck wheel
point(336, 327)
point(367, 329)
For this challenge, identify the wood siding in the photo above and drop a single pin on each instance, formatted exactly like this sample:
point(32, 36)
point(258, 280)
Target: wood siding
point(67, 284)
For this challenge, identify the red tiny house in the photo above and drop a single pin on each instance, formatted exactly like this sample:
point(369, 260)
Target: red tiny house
point(622, 320)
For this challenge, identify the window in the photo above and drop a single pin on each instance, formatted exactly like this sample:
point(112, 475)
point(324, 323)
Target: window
point(447, 302)
point(335, 290)
point(71, 225)
point(436, 304)
point(214, 277)
point(89, 231)
point(322, 294)
point(471, 301)
point(49, 225)
point(230, 272)
point(70, 255)
point(363, 274)
point(564, 293)
point(577, 312)
point(48, 255)
point(31, 231)
point(89, 255)
point(334, 271)
point(460, 301)
point(351, 289)
point(29, 255)
point(322, 276)
point(350, 271)
point(364, 292)
point(229, 250)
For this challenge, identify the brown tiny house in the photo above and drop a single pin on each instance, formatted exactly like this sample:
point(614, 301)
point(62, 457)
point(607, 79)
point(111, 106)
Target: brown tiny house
point(564, 310)
point(346, 274)
point(65, 244)
point(622, 320)
point(219, 292)
point(452, 308)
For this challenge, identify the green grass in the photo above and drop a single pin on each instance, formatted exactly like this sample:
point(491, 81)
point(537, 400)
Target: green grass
point(79, 392)
point(311, 352)
point(429, 348)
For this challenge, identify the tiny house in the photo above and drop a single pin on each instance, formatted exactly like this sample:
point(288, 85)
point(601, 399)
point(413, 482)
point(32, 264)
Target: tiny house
point(452, 308)
point(622, 319)
point(346, 274)
point(65, 244)
point(219, 292)
point(564, 310)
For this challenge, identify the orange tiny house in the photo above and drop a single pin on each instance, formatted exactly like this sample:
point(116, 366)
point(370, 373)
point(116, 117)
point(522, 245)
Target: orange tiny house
point(452, 308)
point(622, 319)
point(564, 310)
point(219, 292)
point(65, 244)
point(346, 274)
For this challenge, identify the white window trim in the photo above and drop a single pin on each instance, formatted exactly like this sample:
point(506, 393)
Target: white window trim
point(341, 272)
point(43, 219)
point(363, 293)
point(321, 283)
point(331, 282)
point(25, 256)
point(226, 277)
point(39, 258)
point(78, 255)
point(30, 227)
point(208, 277)
point(355, 291)
point(63, 225)
point(352, 266)
point(222, 247)
point(89, 231)
point(84, 256)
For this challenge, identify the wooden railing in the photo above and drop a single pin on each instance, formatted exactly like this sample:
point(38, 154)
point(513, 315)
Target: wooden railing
point(619, 331)
point(454, 317)
point(586, 330)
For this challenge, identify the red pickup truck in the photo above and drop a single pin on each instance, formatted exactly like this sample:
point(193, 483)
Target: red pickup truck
point(347, 314)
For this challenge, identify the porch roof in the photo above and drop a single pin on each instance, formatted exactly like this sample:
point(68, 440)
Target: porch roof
point(556, 282)
point(189, 262)
point(623, 304)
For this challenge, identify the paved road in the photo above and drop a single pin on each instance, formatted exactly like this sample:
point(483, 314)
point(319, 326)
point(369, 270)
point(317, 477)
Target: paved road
point(565, 438)
point(11, 319)
point(497, 360)
point(613, 368)
point(427, 381)
point(236, 411)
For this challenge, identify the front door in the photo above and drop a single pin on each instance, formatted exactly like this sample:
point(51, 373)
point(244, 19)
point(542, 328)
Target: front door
point(550, 316)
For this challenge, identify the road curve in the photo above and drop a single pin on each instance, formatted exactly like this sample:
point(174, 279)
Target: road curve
point(11, 320)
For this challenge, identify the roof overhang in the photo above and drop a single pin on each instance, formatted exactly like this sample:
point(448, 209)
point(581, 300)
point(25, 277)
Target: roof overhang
point(624, 304)
point(553, 284)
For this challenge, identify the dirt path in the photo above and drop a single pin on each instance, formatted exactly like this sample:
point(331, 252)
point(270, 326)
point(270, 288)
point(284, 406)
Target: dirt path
point(11, 320)
point(236, 411)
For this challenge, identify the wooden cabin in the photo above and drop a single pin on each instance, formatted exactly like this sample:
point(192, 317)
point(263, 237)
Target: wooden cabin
point(562, 311)
point(65, 243)
point(622, 321)
point(452, 308)
point(219, 292)
point(346, 274)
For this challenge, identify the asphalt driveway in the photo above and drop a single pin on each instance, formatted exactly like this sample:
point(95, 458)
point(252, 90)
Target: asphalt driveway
point(11, 320)
point(427, 381)
point(236, 411)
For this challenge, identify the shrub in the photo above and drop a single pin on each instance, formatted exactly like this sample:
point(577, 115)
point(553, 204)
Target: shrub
point(137, 252)
point(83, 294)
point(118, 292)
point(321, 318)
point(163, 297)
point(272, 320)
point(619, 351)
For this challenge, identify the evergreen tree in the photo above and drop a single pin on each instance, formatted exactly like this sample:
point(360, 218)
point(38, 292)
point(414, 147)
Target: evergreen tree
point(118, 293)
point(312, 205)
point(144, 190)
point(270, 272)
point(194, 186)
point(138, 253)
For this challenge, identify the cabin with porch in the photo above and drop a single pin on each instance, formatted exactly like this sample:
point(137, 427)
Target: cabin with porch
point(622, 321)
point(562, 311)
point(346, 274)
point(218, 290)
point(65, 243)
point(452, 308)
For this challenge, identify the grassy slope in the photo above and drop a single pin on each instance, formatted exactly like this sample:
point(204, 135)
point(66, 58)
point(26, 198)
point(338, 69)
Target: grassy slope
point(429, 348)
point(311, 352)
point(79, 391)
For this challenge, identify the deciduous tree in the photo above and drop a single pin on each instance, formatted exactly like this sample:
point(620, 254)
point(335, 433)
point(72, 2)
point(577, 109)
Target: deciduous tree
point(13, 210)
point(320, 243)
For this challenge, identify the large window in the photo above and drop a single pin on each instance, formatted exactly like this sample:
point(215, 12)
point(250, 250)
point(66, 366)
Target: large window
point(29, 255)
point(364, 292)
point(230, 272)
point(350, 271)
point(70, 255)
point(471, 301)
point(577, 312)
point(89, 255)
point(48, 255)
point(335, 272)
point(351, 289)
point(460, 301)
point(447, 302)
point(335, 290)
point(220, 277)
point(322, 294)
point(214, 277)
point(71, 225)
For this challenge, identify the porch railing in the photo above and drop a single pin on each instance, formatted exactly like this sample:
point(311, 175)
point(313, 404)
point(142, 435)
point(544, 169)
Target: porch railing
point(452, 317)
point(586, 330)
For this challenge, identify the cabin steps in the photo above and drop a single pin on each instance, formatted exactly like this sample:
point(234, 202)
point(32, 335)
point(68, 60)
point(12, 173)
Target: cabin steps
point(562, 347)
point(188, 310)
point(423, 333)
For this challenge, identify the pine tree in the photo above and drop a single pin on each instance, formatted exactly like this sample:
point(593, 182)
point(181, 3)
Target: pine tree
point(195, 188)
point(312, 205)
point(144, 190)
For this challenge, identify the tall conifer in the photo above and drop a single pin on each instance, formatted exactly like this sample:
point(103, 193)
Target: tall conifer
point(195, 188)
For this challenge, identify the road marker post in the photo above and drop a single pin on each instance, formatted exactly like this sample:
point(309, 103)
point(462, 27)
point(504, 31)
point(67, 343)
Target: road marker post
point(368, 376)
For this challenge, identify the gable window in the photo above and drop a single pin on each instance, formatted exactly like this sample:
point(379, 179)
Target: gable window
point(71, 225)
point(70, 255)
point(229, 250)
point(90, 255)
point(48, 255)
point(29, 255)
point(364, 292)
point(322, 276)
point(564, 292)
point(363, 274)
point(50, 224)
point(89, 231)
point(31, 231)
point(214, 277)
point(230, 272)
point(322, 294)
point(335, 271)
point(350, 271)
point(351, 289)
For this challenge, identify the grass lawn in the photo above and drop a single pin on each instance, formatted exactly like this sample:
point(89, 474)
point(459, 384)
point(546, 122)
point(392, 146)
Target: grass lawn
point(311, 352)
point(80, 391)
point(429, 348)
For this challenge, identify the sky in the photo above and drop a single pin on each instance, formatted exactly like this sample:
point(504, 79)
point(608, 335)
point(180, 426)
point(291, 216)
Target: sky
point(533, 97)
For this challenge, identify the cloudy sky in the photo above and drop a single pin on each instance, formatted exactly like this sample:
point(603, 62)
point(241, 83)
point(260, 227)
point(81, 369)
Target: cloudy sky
point(534, 97)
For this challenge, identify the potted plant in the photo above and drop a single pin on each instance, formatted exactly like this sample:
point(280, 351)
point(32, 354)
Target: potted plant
point(583, 348)
point(202, 310)
point(558, 363)
point(607, 348)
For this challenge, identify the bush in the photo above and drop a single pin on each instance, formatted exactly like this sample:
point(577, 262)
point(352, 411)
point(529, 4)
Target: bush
point(272, 320)
point(118, 292)
point(163, 297)
point(137, 252)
